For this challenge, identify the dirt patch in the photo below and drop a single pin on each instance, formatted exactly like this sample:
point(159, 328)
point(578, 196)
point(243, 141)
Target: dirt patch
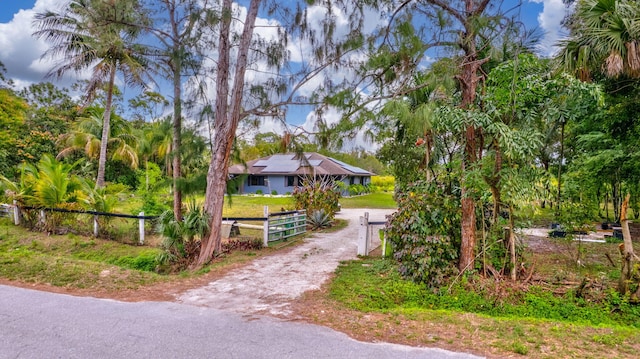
point(270, 285)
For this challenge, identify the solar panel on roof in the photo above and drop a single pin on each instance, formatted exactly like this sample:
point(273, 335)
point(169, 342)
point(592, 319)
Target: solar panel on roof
point(281, 158)
point(353, 169)
point(282, 167)
point(315, 163)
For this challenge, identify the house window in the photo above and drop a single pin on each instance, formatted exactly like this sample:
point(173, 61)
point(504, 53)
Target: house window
point(256, 180)
point(290, 181)
point(352, 180)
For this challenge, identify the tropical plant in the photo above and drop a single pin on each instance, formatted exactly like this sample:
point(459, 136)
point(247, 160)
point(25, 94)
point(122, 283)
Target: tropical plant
point(318, 219)
point(317, 193)
point(605, 37)
point(87, 138)
point(182, 239)
point(91, 34)
point(424, 233)
point(49, 184)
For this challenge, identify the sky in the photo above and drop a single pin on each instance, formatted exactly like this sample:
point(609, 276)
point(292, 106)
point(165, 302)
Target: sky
point(20, 52)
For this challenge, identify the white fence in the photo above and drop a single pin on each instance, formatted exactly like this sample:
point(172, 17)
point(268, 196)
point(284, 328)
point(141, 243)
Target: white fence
point(368, 238)
point(16, 215)
point(275, 226)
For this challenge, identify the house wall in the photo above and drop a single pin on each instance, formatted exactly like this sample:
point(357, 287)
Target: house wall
point(271, 183)
point(279, 184)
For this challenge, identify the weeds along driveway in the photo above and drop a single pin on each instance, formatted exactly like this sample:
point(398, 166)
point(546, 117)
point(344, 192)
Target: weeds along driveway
point(268, 285)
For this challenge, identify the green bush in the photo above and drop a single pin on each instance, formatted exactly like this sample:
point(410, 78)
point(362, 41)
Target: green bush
point(383, 183)
point(318, 194)
point(181, 240)
point(424, 233)
point(318, 219)
point(259, 191)
point(357, 189)
point(274, 193)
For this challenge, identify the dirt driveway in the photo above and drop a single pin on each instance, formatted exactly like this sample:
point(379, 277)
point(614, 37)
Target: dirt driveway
point(269, 285)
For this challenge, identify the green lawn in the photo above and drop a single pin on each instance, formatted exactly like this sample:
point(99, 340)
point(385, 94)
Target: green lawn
point(371, 200)
point(252, 206)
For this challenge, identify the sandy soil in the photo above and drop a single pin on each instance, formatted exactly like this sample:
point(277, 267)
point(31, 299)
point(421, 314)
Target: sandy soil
point(269, 285)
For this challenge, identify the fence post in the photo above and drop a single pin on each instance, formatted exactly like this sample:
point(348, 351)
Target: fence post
point(16, 213)
point(384, 245)
point(265, 228)
point(141, 227)
point(43, 217)
point(363, 234)
point(95, 226)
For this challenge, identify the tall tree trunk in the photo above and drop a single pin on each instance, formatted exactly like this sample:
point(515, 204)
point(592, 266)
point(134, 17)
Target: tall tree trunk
point(177, 138)
point(512, 244)
point(494, 183)
point(468, 81)
point(628, 256)
point(106, 129)
point(559, 196)
point(226, 122)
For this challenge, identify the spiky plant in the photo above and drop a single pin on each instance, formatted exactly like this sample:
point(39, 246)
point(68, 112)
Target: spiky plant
point(318, 219)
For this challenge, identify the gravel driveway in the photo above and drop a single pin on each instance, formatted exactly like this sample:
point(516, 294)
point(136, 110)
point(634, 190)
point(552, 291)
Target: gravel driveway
point(268, 285)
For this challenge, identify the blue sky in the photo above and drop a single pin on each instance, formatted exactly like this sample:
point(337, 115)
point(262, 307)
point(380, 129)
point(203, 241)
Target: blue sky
point(20, 52)
point(9, 7)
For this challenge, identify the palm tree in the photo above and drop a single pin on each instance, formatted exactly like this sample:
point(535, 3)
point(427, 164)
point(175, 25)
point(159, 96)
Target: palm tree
point(87, 137)
point(88, 34)
point(605, 36)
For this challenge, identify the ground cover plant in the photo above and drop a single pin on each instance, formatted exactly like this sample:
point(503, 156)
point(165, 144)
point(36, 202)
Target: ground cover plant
point(551, 317)
point(110, 268)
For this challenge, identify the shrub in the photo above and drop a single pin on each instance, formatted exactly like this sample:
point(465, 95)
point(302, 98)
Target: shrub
point(181, 240)
point(424, 233)
point(356, 189)
point(274, 193)
point(259, 191)
point(318, 219)
point(383, 183)
point(317, 194)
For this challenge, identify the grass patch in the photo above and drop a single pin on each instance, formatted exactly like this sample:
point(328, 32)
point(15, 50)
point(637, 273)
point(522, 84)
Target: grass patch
point(253, 206)
point(475, 317)
point(371, 200)
point(77, 262)
point(73, 261)
point(374, 285)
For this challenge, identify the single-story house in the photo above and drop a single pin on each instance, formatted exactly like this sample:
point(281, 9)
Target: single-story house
point(282, 173)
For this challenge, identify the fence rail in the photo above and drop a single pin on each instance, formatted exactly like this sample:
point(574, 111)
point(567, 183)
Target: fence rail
point(283, 225)
point(366, 235)
point(276, 226)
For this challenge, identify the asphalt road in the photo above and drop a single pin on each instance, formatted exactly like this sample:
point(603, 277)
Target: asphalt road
point(45, 325)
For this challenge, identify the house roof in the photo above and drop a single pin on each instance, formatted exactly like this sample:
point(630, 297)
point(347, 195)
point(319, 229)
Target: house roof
point(293, 164)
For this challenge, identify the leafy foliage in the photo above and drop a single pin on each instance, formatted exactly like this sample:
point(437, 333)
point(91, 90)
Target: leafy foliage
point(378, 286)
point(424, 233)
point(317, 194)
point(318, 219)
point(181, 239)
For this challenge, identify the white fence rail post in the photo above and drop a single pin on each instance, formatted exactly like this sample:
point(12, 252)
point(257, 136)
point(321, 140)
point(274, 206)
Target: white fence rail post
point(96, 228)
point(265, 228)
point(141, 227)
point(363, 234)
point(16, 213)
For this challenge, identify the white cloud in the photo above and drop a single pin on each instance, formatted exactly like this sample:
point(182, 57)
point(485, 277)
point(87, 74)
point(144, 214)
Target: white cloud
point(20, 51)
point(550, 20)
